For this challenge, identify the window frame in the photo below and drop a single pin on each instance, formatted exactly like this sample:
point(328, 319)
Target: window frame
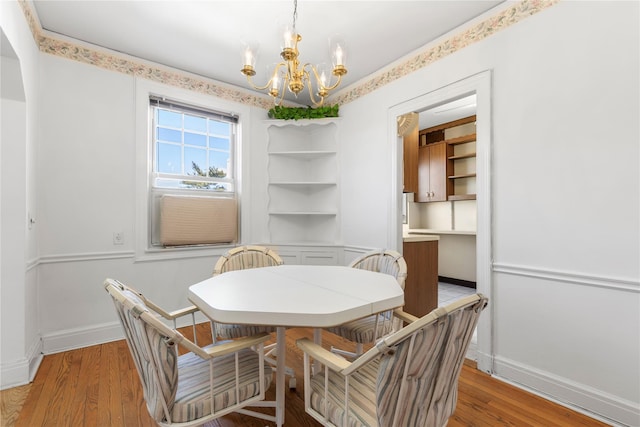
point(145, 150)
point(162, 103)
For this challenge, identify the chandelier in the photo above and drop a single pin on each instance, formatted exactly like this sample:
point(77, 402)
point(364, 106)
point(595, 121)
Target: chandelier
point(290, 75)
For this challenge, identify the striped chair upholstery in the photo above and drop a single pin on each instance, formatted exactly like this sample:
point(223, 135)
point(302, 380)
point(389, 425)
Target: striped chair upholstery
point(368, 329)
point(179, 390)
point(241, 258)
point(408, 379)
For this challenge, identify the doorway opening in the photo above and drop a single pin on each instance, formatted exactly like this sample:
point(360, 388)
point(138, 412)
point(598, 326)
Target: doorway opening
point(455, 99)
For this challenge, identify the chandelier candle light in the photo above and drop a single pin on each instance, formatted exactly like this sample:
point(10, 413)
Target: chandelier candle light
point(290, 74)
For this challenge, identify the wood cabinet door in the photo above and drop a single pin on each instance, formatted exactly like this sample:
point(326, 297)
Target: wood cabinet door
point(424, 188)
point(438, 172)
point(410, 171)
point(432, 173)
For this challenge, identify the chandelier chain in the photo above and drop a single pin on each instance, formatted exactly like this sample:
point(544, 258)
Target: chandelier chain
point(295, 15)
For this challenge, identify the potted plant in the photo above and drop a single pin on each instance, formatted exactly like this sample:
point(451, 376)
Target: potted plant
point(297, 113)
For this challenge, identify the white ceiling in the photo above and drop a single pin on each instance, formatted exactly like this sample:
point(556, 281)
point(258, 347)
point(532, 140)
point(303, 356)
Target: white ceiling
point(205, 37)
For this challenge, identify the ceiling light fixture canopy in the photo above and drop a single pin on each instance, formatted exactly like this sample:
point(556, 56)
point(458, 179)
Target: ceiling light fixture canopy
point(289, 74)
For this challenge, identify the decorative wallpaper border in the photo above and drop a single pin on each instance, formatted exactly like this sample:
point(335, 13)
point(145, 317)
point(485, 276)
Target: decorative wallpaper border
point(479, 32)
point(121, 63)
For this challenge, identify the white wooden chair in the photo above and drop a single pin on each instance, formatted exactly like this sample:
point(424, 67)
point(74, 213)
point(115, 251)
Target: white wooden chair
point(368, 329)
point(201, 385)
point(408, 379)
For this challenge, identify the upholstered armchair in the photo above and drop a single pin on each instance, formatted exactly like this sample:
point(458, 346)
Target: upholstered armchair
point(367, 330)
point(241, 258)
point(408, 379)
point(201, 385)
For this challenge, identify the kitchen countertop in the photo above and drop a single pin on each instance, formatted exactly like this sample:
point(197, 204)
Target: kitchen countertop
point(410, 237)
point(430, 231)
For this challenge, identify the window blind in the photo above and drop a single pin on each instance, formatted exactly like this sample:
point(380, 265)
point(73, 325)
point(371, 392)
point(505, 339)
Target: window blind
point(158, 101)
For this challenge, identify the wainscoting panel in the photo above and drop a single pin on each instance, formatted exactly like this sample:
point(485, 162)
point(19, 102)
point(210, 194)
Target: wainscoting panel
point(570, 337)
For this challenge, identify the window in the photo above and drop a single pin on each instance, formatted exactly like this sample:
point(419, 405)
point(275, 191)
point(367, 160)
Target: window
point(192, 148)
point(192, 176)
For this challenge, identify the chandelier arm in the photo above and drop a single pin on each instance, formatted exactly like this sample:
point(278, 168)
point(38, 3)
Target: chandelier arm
point(277, 100)
point(315, 74)
point(275, 94)
point(313, 98)
point(270, 82)
point(335, 85)
point(256, 87)
point(320, 85)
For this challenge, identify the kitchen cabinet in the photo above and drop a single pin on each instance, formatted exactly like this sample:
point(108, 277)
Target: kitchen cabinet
point(432, 173)
point(447, 162)
point(410, 157)
point(421, 286)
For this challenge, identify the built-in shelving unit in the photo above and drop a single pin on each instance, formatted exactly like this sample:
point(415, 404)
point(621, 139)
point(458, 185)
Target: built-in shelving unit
point(461, 167)
point(303, 182)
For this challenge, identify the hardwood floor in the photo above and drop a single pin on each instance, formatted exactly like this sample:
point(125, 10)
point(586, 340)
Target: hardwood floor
point(99, 386)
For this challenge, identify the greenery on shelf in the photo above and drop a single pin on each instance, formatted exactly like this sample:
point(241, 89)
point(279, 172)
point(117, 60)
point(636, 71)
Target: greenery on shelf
point(297, 113)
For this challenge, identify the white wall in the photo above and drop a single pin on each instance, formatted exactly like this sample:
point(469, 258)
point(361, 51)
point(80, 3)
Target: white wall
point(89, 186)
point(565, 299)
point(565, 291)
point(19, 342)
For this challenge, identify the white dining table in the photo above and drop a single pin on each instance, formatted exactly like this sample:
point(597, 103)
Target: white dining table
point(294, 296)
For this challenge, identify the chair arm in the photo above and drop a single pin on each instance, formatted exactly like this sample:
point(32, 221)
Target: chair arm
point(404, 316)
point(171, 315)
point(322, 355)
point(228, 347)
point(182, 312)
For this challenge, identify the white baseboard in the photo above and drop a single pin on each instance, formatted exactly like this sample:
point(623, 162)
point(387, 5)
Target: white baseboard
point(72, 339)
point(601, 406)
point(24, 370)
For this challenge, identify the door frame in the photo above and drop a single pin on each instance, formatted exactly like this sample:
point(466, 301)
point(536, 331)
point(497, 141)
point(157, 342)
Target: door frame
point(480, 84)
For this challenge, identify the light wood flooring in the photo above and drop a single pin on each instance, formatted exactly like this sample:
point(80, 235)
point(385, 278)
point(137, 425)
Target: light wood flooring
point(99, 386)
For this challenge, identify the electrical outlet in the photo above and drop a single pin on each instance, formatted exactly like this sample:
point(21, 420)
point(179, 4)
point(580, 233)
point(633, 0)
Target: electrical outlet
point(118, 238)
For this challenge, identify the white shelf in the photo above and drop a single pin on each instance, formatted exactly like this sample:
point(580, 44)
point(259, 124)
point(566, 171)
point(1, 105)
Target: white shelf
point(313, 123)
point(303, 182)
point(303, 228)
point(304, 155)
point(294, 183)
point(302, 213)
point(419, 231)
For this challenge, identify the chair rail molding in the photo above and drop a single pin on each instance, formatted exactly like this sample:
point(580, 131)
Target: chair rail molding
point(615, 283)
